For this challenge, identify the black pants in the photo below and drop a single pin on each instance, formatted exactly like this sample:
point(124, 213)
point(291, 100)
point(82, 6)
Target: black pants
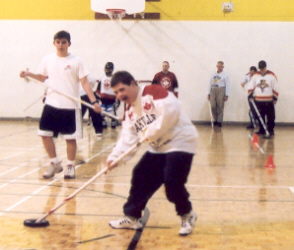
point(96, 117)
point(151, 172)
point(267, 109)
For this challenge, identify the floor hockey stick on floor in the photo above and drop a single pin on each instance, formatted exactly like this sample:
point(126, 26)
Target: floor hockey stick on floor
point(252, 118)
point(41, 222)
point(267, 134)
point(71, 97)
point(210, 114)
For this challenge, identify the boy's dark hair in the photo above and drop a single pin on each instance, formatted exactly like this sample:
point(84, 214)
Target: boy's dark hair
point(123, 77)
point(109, 65)
point(62, 34)
point(261, 64)
point(253, 68)
point(166, 62)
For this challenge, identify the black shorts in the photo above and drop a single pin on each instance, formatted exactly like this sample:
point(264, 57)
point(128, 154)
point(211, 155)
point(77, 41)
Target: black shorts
point(66, 122)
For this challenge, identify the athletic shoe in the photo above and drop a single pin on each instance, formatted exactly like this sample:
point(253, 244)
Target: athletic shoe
point(188, 223)
point(260, 132)
point(271, 133)
point(250, 127)
point(126, 223)
point(219, 124)
point(52, 170)
point(99, 135)
point(69, 172)
point(215, 124)
point(113, 124)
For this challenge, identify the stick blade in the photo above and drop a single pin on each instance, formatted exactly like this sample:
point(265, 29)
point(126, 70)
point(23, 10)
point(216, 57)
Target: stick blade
point(33, 223)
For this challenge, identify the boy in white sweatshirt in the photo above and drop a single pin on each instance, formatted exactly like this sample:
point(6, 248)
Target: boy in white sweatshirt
point(154, 113)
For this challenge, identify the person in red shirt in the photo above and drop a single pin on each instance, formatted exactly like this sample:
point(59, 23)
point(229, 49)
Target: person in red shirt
point(167, 79)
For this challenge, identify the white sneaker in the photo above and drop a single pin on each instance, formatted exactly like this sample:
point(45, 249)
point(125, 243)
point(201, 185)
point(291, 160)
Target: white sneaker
point(52, 170)
point(99, 135)
point(69, 172)
point(127, 223)
point(188, 223)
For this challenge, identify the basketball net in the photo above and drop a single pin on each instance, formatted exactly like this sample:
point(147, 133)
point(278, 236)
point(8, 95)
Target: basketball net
point(116, 14)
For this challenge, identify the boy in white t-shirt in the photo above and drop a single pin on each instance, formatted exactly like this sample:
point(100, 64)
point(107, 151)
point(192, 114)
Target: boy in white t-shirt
point(106, 94)
point(61, 115)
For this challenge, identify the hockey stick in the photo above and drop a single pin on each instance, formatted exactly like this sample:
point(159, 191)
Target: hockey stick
point(252, 118)
point(42, 96)
point(41, 222)
point(267, 134)
point(71, 97)
point(210, 114)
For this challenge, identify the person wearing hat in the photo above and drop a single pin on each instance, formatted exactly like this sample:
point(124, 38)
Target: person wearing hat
point(264, 90)
point(106, 94)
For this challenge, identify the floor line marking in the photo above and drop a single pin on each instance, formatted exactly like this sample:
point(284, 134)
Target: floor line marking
point(50, 183)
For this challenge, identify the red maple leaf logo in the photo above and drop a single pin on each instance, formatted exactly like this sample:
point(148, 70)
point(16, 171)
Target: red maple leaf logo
point(107, 85)
point(147, 106)
point(130, 115)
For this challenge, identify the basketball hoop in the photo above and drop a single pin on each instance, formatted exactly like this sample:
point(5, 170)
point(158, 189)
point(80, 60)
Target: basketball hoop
point(116, 14)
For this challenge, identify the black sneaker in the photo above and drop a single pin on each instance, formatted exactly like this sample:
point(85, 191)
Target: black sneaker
point(219, 124)
point(260, 132)
point(250, 127)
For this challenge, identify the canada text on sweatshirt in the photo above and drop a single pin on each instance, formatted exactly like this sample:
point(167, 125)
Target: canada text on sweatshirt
point(156, 115)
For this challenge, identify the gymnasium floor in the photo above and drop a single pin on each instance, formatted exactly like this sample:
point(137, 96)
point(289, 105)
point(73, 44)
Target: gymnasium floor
point(240, 203)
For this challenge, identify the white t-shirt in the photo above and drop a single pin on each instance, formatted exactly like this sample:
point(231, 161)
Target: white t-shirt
point(105, 87)
point(93, 82)
point(64, 74)
point(247, 78)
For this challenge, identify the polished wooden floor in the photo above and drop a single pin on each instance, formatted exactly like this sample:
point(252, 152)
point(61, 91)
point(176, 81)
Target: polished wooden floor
point(240, 203)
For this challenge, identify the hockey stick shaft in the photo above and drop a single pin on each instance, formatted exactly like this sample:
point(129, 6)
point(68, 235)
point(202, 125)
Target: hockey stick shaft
point(210, 114)
point(73, 98)
point(90, 181)
point(260, 118)
point(42, 96)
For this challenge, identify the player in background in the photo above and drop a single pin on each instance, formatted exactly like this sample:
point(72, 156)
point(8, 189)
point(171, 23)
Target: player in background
point(61, 115)
point(218, 93)
point(154, 113)
point(264, 90)
point(247, 78)
point(106, 94)
point(167, 79)
point(96, 117)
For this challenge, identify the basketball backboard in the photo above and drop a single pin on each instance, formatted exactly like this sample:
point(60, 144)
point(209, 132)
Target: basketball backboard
point(130, 6)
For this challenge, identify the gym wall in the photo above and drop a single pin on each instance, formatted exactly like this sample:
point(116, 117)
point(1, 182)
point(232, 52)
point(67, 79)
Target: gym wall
point(191, 34)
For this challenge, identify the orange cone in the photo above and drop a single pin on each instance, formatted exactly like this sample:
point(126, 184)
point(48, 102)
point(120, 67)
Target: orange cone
point(270, 162)
point(255, 139)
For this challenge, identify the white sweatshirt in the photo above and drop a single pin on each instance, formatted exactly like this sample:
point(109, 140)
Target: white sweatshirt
point(157, 115)
point(264, 88)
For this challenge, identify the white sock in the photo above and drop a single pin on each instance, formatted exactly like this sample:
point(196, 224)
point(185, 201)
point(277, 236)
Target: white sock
point(70, 163)
point(54, 160)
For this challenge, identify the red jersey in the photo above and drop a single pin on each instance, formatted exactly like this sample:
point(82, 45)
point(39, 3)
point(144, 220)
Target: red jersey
point(168, 81)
